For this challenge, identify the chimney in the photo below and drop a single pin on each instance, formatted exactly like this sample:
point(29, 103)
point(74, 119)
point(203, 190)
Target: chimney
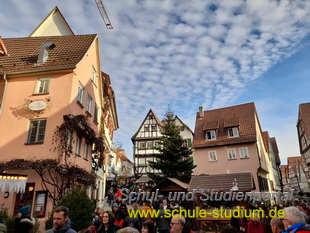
point(43, 53)
point(201, 113)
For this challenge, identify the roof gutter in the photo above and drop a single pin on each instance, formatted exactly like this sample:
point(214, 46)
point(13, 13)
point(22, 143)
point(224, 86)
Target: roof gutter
point(4, 92)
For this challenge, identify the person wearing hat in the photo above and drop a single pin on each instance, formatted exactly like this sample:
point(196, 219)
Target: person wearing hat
point(25, 222)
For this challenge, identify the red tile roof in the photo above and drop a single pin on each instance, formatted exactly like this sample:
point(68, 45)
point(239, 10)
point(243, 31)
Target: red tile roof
point(265, 135)
point(304, 117)
point(223, 182)
point(23, 53)
point(242, 115)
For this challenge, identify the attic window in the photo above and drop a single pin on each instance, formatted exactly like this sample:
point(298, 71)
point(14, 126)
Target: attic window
point(211, 135)
point(233, 132)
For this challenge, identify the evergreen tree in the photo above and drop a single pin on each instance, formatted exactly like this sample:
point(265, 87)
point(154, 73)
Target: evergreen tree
point(81, 209)
point(173, 160)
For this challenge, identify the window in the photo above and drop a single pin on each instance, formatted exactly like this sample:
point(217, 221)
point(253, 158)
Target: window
point(42, 86)
point(244, 152)
point(146, 128)
point(36, 131)
point(157, 144)
point(154, 128)
point(96, 113)
point(78, 146)
point(182, 128)
point(149, 144)
point(88, 104)
point(40, 204)
point(211, 135)
point(187, 142)
point(233, 132)
point(94, 75)
point(212, 156)
point(142, 145)
point(142, 161)
point(80, 93)
point(85, 151)
point(151, 117)
point(231, 153)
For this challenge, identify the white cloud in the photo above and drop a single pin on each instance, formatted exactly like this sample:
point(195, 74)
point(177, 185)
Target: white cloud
point(185, 53)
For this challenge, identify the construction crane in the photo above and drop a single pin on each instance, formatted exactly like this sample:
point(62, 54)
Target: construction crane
point(104, 14)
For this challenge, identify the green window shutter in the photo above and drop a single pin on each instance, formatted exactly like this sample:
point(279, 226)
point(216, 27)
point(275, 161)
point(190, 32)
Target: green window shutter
point(189, 142)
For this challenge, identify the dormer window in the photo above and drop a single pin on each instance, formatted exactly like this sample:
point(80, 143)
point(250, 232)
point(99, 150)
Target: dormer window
point(211, 135)
point(233, 132)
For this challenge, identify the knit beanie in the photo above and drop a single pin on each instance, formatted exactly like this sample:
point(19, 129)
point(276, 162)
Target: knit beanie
point(24, 210)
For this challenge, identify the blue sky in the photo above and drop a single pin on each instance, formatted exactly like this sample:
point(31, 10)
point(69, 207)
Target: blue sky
point(188, 54)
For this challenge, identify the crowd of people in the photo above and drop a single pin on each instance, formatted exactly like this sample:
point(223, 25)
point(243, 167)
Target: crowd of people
point(117, 220)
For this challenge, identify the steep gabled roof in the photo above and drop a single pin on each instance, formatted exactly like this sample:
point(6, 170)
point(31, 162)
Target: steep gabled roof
point(156, 119)
point(265, 136)
point(185, 125)
point(54, 24)
point(67, 53)
point(304, 117)
point(242, 116)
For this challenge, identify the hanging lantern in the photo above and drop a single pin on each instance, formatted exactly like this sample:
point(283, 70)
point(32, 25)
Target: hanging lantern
point(12, 182)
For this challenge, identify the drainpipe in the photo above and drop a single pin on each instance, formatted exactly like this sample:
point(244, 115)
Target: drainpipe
point(4, 92)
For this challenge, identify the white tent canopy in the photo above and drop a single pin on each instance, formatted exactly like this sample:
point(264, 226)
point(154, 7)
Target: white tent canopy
point(12, 183)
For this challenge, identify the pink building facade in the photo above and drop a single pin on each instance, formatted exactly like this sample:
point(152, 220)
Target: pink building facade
point(229, 141)
point(47, 83)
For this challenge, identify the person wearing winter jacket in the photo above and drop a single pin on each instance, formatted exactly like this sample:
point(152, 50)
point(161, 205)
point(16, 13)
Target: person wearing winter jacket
point(25, 222)
point(61, 221)
point(294, 220)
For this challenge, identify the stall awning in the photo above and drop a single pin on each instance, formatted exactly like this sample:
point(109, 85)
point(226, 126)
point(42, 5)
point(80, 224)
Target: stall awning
point(12, 182)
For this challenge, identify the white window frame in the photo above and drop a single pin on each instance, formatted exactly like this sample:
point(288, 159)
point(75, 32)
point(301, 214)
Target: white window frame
point(37, 130)
point(89, 103)
point(44, 84)
point(231, 153)
point(212, 156)
point(86, 149)
point(146, 128)
point(242, 155)
point(233, 132)
point(80, 93)
point(212, 134)
point(142, 145)
point(157, 144)
point(149, 144)
point(78, 146)
point(142, 161)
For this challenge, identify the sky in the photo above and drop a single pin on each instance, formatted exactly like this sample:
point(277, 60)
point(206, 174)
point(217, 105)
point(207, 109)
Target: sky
point(187, 54)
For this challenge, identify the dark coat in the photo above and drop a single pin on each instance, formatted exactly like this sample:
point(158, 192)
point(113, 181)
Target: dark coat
point(112, 229)
point(65, 229)
point(24, 224)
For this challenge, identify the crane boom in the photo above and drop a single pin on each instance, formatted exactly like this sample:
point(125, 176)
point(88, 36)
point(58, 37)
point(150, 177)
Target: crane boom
point(104, 14)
